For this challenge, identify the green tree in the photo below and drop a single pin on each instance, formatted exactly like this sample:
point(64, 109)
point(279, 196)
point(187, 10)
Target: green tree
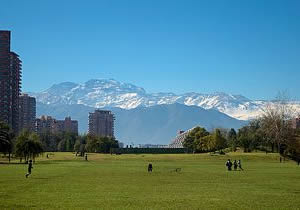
point(28, 145)
point(232, 139)
point(61, 147)
point(101, 144)
point(77, 146)
point(193, 140)
point(244, 138)
point(220, 141)
point(189, 142)
point(93, 144)
point(205, 144)
point(4, 129)
point(50, 141)
point(107, 143)
point(6, 140)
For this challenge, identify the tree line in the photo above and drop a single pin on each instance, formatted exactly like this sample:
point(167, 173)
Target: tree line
point(272, 131)
point(90, 143)
point(29, 145)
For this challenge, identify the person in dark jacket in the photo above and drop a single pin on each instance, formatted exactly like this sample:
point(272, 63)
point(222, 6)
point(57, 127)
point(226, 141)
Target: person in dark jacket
point(228, 164)
point(235, 165)
point(29, 168)
point(150, 167)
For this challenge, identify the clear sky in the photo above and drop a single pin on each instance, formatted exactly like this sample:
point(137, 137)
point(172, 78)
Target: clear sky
point(249, 47)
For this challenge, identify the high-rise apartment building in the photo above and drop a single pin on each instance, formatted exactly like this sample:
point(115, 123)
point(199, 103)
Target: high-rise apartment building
point(10, 82)
point(27, 112)
point(101, 123)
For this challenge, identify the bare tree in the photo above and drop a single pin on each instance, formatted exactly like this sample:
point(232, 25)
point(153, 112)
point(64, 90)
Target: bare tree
point(276, 121)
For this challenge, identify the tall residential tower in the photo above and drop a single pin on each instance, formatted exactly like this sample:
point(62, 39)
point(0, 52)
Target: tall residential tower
point(27, 112)
point(10, 82)
point(101, 123)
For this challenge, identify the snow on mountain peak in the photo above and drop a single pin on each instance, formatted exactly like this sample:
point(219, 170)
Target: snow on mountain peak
point(100, 93)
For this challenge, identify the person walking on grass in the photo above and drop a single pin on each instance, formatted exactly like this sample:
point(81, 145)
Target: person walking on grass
point(240, 165)
point(229, 164)
point(150, 167)
point(235, 165)
point(29, 168)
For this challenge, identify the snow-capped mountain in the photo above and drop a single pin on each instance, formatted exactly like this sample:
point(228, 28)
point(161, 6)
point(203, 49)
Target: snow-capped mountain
point(101, 93)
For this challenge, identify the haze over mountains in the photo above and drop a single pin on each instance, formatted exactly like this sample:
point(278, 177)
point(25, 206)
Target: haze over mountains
point(143, 117)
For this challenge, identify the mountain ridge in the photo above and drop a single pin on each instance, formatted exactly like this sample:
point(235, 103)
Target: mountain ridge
point(100, 93)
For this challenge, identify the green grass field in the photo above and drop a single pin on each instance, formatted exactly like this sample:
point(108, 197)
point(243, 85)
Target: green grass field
point(122, 182)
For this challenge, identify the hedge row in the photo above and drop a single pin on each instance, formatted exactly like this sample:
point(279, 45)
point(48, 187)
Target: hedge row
point(149, 150)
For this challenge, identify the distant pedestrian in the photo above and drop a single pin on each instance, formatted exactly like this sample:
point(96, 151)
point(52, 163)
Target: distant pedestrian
point(229, 164)
point(150, 167)
point(86, 157)
point(235, 165)
point(47, 156)
point(29, 168)
point(240, 165)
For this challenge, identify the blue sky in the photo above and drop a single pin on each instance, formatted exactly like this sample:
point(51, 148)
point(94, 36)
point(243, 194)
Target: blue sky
point(248, 47)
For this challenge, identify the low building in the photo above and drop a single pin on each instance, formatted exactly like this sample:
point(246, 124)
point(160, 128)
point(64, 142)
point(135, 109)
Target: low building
point(48, 124)
point(152, 146)
point(45, 124)
point(177, 142)
point(68, 125)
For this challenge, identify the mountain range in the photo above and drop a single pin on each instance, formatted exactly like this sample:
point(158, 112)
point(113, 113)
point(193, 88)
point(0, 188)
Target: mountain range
point(100, 93)
point(143, 117)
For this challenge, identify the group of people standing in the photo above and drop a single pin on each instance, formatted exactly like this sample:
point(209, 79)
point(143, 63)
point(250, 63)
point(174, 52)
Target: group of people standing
point(235, 164)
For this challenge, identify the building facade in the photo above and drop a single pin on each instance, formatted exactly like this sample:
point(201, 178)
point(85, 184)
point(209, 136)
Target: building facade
point(27, 112)
point(68, 125)
point(101, 123)
point(10, 82)
point(45, 124)
point(48, 124)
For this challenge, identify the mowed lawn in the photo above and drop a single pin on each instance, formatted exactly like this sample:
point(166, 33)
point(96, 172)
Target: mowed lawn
point(122, 182)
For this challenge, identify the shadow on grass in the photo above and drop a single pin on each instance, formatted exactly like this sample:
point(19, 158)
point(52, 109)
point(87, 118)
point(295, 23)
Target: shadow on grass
point(56, 162)
point(12, 163)
point(38, 162)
